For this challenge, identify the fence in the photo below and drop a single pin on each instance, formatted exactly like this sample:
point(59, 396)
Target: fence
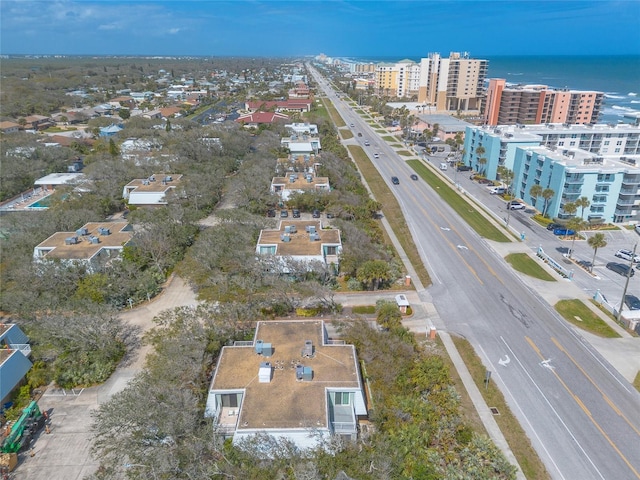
point(555, 265)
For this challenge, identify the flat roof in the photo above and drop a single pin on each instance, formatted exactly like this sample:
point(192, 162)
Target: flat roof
point(85, 249)
point(59, 178)
point(588, 161)
point(286, 402)
point(300, 183)
point(299, 243)
point(144, 185)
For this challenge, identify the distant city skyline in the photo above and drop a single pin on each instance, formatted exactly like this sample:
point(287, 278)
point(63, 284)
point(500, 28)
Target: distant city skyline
point(336, 28)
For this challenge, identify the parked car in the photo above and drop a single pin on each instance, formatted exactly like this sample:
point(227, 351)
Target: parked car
point(330, 215)
point(637, 228)
point(632, 302)
point(315, 214)
point(414, 176)
point(395, 180)
point(271, 212)
point(464, 168)
point(497, 191)
point(553, 226)
point(296, 213)
point(284, 214)
point(620, 269)
point(513, 205)
point(563, 231)
point(627, 255)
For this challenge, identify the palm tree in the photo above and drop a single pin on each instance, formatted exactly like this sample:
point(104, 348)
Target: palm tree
point(582, 202)
point(482, 161)
point(576, 224)
point(535, 191)
point(506, 176)
point(570, 208)
point(597, 241)
point(480, 151)
point(547, 194)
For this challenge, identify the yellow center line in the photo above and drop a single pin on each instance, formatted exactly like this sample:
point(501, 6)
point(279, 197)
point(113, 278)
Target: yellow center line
point(604, 395)
point(587, 412)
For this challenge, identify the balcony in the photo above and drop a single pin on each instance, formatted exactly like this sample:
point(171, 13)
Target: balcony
point(574, 180)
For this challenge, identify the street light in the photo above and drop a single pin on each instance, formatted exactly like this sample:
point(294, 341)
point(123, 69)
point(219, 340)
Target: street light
point(626, 283)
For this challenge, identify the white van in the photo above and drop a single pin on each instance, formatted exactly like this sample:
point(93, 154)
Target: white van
point(443, 166)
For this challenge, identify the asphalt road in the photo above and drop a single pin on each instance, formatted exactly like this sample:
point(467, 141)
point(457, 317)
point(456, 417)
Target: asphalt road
point(582, 416)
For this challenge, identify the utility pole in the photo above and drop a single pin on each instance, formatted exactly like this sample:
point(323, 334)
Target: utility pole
point(626, 284)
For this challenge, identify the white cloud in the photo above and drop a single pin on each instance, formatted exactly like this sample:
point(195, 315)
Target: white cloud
point(173, 31)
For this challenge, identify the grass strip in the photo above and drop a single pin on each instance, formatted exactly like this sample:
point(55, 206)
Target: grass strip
point(577, 313)
point(391, 209)
point(346, 134)
point(527, 265)
point(468, 212)
point(364, 309)
point(388, 138)
point(636, 381)
point(333, 113)
point(404, 153)
point(527, 457)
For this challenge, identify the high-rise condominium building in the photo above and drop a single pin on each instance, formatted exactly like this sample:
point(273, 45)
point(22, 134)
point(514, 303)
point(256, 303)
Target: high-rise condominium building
point(536, 104)
point(448, 84)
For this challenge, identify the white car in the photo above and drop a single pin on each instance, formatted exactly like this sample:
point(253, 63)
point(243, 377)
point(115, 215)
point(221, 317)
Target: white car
point(497, 190)
point(376, 155)
point(516, 206)
point(627, 255)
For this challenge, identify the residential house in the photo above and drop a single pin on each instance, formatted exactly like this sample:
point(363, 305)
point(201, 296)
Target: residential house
point(150, 191)
point(38, 122)
point(14, 358)
point(298, 182)
point(254, 120)
point(9, 127)
point(302, 128)
point(301, 144)
point(92, 245)
point(292, 382)
point(301, 241)
point(111, 130)
point(55, 180)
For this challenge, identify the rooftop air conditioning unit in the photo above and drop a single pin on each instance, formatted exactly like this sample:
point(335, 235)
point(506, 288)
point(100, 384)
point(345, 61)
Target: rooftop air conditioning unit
point(71, 240)
point(104, 231)
point(264, 372)
point(285, 238)
point(168, 178)
point(82, 231)
point(258, 347)
point(94, 240)
point(314, 237)
point(307, 351)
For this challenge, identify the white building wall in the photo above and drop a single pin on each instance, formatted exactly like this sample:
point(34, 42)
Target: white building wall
point(304, 438)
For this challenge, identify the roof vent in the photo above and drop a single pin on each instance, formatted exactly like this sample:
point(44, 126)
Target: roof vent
point(152, 178)
point(307, 351)
point(264, 372)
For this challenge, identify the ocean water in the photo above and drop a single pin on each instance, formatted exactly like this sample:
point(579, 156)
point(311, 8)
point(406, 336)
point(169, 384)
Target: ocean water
point(617, 76)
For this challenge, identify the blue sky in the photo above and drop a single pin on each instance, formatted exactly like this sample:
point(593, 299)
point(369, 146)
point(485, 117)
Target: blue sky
point(396, 29)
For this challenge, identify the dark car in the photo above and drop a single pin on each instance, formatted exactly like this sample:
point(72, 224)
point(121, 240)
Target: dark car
point(330, 215)
point(632, 302)
point(284, 214)
point(620, 269)
point(359, 134)
point(414, 176)
point(296, 213)
point(271, 212)
point(395, 180)
point(316, 214)
point(464, 168)
point(564, 231)
point(553, 226)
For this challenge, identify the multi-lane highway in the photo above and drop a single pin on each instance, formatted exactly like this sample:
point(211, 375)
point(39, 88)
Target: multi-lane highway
point(582, 417)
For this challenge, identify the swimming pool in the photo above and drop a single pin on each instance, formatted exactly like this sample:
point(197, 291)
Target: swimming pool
point(41, 204)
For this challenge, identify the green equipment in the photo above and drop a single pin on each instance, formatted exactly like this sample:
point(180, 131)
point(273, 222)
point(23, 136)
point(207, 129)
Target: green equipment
point(24, 429)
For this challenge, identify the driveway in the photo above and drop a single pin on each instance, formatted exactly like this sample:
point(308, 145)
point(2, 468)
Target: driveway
point(64, 454)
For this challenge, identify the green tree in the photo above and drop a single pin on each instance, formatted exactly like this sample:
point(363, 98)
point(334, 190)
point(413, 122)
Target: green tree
point(577, 225)
point(480, 151)
point(570, 208)
point(388, 315)
point(582, 202)
point(374, 273)
point(124, 113)
point(596, 241)
point(534, 192)
point(506, 176)
point(168, 125)
point(113, 148)
point(547, 194)
point(482, 161)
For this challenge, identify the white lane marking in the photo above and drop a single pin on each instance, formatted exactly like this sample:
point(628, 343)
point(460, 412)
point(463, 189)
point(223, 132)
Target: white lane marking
point(504, 362)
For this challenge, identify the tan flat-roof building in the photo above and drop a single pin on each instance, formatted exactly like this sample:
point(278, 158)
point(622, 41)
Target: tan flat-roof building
point(301, 241)
point(93, 244)
point(298, 182)
point(291, 382)
point(150, 191)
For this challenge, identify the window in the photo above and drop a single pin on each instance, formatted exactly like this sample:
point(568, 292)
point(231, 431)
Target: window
point(606, 142)
point(330, 250)
point(605, 177)
point(602, 188)
point(342, 398)
point(599, 198)
point(270, 250)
